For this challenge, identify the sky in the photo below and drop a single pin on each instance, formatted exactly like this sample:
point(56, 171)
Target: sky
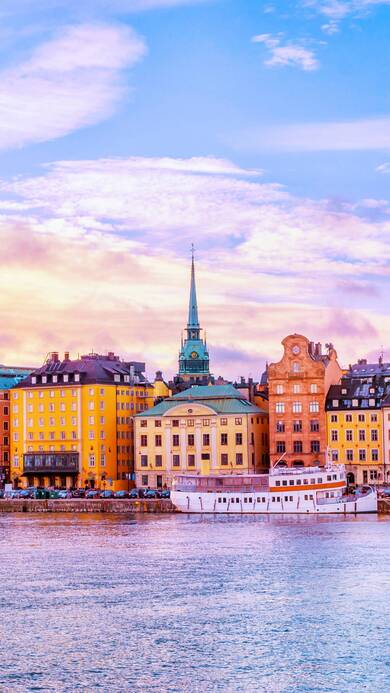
point(259, 131)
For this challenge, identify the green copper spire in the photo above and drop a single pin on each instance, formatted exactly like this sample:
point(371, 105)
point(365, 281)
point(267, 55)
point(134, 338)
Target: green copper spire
point(193, 319)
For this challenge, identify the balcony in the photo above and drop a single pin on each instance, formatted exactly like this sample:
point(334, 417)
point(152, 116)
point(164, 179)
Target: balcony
point(51, 463)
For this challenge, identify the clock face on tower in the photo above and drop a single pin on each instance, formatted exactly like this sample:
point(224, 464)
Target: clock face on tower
point(296, 349)
point(194, 355)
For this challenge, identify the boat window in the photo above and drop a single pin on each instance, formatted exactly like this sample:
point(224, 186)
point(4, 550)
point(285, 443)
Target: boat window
point(326, 495)
point(249, 500)
point(319, 481)
point(291, 498)
point(258, 500)
point(329, 477)
point(263, 500)
point(306, 496)
point(277, 483)
point(286, 498)
point(273, 499)
point(291, 482)
point(278, 499)
point(306, 481)
point(237, 500)
point(224, 500)
point(284, 482)
point(219, 500)
point(312, 481)
point(245, 499)
point(299, 482)
point(232, 500)
point(311, 497)
point(334, 476)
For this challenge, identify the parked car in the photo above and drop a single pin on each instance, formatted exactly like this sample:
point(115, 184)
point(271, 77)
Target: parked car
point(134, 493)
point(78, 493)
point(63, 494)
point(122, 494)
point(26, 493)
point(93, 493)
point(107, 494)
point(166, 493)
point(150, 494)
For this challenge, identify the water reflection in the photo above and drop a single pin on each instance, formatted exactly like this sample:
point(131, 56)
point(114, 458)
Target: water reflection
point(192, 603)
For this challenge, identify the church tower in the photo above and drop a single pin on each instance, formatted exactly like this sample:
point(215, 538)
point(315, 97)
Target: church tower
point(193, 357)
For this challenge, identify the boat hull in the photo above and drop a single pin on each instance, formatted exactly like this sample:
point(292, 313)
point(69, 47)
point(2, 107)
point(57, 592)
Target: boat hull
point(269, 504)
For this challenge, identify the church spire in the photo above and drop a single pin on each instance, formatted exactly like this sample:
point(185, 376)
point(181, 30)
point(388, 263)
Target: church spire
point(193, 319)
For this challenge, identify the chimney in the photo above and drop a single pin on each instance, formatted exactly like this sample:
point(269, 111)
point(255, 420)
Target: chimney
point(318, 349)
point(54, 357)
point(66, 356)
point(311, 348)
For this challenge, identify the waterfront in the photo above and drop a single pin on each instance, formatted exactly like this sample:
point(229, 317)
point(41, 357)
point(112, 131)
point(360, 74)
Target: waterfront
point(184, 603)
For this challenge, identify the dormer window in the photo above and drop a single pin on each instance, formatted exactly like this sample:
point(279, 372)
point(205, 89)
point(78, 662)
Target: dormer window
point(44, 379)
point(55, 378)
point(117, 378)
point(66, 378)
point(127, 378)
point(343, 391)
point(77, 377)
point(34, 379)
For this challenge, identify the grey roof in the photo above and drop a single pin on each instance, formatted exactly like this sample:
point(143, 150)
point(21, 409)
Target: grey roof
point(358, 389)
point(91, 368)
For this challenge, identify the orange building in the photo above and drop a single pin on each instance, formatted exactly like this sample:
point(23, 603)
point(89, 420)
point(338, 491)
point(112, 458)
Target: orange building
point(298, 385)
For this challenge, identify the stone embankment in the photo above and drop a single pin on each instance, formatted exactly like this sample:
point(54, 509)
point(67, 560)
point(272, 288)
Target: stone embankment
point(384, 506)
point(83, 505)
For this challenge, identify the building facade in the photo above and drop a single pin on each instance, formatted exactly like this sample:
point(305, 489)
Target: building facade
point(297, 389)
point(357, 423)
point(204, 430)
point(72, 422)
point(9, 377)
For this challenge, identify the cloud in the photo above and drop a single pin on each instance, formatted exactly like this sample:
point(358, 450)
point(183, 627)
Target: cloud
point(105, 245)
point(354, 135)
point(69, 82)
point(287, 54)
point(338, 10)
point(384, 168)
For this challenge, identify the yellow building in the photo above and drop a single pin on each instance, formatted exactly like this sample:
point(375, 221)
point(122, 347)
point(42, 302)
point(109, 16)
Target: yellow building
point(160, 388)
point(355, 423)
point(71, 422)
point(204, 430)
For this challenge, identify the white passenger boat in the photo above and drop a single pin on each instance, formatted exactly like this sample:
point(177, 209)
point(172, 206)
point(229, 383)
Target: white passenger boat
point(301, 490)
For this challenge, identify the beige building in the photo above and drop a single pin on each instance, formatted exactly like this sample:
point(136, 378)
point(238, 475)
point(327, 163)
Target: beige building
point(204, 430)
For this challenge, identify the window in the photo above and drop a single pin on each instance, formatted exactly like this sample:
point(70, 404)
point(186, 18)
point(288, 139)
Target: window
point(144, 441)
point(374, 455)
point(91, 435)
point(362, 455)
point(176, 460)
point(348, 418)
point(224, 459)
point(333, 418)
point(334, 435)
point(279, 389)
point(158, 460)
point(349, 455)
point(315, 446)
point(313, 388)
point(206, 422)
point(238, 458)
point(280, 446)
point(296, 367)
point(224, 438)
point(361, 417)
point(91, 460)
point(298, 447)
point(158, 441)
point(297, 426)
point(91, 420)
point(296, 388)
point(335, 455)
point(157, 423)
point(349, 435)
point(314, 407)
point(374, 435)
point(191, 440)
point(143, 423)
point(206, 438)
point(314, 426)
point(144, 460)
point(279, 407)
point(205, 456)
point(191, 422)
point(374, 418)
point(223, 422)
point(362, 435)
point(238, 438)
point(238, 422)
point(191, 460)
point(144, 480)
point(280, 427)
point(175, 423)
point(297, 407)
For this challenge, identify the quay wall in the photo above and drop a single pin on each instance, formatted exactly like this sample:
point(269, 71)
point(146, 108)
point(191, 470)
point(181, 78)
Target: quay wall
point(383, 506)
point(83, 505)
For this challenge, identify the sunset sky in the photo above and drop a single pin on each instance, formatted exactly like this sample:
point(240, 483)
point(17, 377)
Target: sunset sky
point(259, 131)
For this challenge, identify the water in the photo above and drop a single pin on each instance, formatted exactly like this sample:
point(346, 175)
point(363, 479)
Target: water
point(181, 603)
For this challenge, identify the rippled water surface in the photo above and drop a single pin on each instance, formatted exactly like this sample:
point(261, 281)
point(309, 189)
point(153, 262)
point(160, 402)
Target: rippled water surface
point(185, 603)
